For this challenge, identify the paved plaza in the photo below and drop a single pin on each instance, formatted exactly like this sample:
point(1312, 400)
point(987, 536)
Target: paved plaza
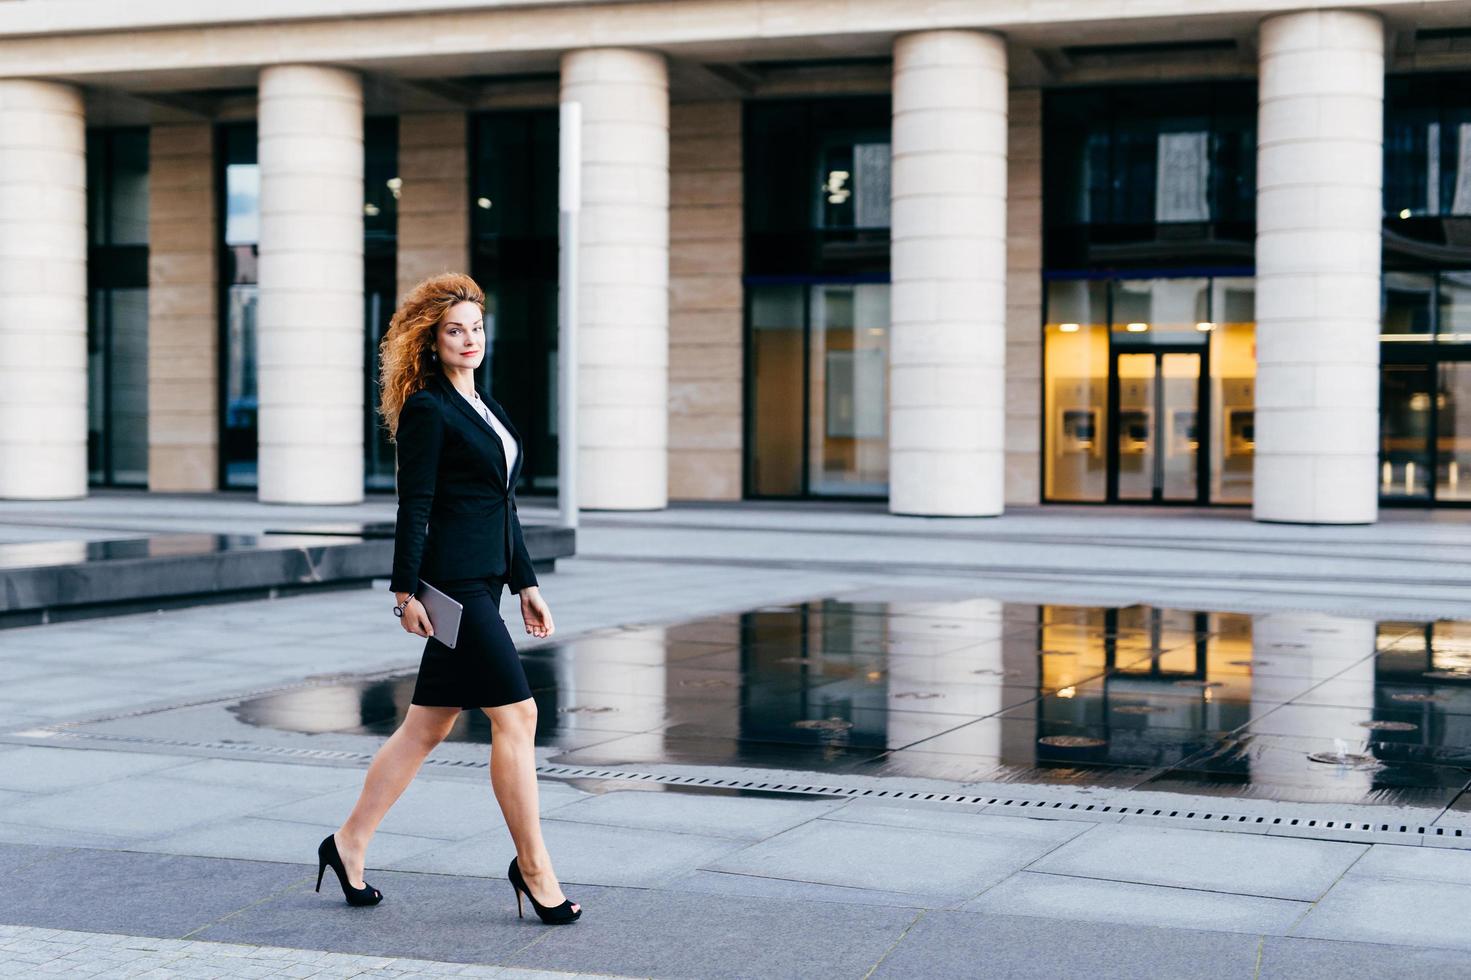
point(724, 792)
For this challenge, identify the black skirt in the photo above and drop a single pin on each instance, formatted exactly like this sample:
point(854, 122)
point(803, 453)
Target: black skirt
point(483, 670)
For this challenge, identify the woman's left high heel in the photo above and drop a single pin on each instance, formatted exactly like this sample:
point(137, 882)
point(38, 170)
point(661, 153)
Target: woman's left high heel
point(327, 854)
point(554, 916)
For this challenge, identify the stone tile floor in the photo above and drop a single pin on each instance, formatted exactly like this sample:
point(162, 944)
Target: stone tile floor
point(164, 779)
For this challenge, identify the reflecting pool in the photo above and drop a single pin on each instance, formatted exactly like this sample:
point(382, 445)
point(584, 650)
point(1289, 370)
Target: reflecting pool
point(1287, 706)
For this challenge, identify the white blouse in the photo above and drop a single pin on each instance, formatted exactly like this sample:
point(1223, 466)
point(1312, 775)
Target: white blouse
point(507, 442)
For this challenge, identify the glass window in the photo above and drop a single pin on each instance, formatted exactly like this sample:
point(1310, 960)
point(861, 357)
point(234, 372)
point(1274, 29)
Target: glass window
point(513, 225)
point(855, 184)
point(1408, 306)
point(1453, 433)
point(817, 187)
point(1233, 389)
point(381, 189)
point(1427, 146)
point(238, 444)
point(117, 333)
point(819, 404)
point(777, 336)
point(240, 232)
point(848, 390)
point(1404, 431)
point(1161, 311)
point(1076, 390)
point(1454, 324)
point(1145, 155)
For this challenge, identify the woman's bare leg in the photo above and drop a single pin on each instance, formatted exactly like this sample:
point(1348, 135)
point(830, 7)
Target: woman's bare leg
point(392, 770)
point(513, 777)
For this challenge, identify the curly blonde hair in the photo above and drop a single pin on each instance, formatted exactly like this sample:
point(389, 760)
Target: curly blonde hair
point(405, 364)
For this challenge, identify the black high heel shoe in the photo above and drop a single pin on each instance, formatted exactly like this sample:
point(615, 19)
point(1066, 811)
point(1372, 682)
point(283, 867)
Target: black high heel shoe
point(327, 854)
point(556, 916)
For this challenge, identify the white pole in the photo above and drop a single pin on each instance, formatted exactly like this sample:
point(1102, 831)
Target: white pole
point(570, 206)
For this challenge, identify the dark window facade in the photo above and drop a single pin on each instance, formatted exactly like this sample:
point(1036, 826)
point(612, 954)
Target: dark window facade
point(238, 184)
point(117, 290)
point(1151, 176)
point(1425, 361)
point(513, 256)
point(817, 175)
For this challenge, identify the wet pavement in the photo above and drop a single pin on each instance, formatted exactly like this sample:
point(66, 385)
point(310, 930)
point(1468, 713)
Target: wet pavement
point(1291, 707)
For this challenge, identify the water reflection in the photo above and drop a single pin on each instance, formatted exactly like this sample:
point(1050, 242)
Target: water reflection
point(982, 690)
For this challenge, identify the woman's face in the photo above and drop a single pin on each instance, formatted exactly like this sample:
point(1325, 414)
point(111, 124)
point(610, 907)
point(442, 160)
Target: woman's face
point(460, 340)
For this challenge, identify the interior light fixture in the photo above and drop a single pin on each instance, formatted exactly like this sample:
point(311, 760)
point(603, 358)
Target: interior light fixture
point(1067, 692)
point(370, 209)
point(1068, 327)
point(1405, 213)
point(1205, 326)
point(483, 202)
point(1137, 327)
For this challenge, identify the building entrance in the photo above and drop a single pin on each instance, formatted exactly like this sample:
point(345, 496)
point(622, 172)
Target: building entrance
point(1149, 391)
point(1154, 428)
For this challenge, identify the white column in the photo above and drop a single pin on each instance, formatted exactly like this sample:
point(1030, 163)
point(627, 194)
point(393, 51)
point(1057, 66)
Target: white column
point(43, 291)
point(623, 277)
point(947, 368)
point(310, 319)
point(1319, 211)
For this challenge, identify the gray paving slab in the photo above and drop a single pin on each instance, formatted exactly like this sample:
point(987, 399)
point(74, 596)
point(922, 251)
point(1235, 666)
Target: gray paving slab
point(256, 839)
point(958, 820)
point(15, 856)
point(1314, 959)
point(44, 769)
point(964, 944)
point(937, 866)
point(583, 854)
point(665, 934)
point(1242, 864)
point(321, 779)
point(1095, 900)
point(18, 833)
point(438, 917)
point(1428, 864)
point(448, 809)
point(749, 817)
point(440, 809)
point(139, 894)
point(147, 805)
point(1397, 911)
point(704, 882)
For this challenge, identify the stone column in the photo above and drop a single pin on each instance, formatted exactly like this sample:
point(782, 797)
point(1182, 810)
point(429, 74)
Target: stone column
point(43, 291)
point(310, 332)
point(705, 301)
point(183, 299)
point(623, 277)
point(1319, 212)
point(433, 212)
point(1024, 299)
point(947, 366)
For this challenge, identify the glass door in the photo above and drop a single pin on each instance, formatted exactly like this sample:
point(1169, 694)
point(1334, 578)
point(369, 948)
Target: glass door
point(1405, 424)
point(1155, 427)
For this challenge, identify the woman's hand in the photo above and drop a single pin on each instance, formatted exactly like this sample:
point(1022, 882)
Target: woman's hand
point(415, 619)
point(535, 614)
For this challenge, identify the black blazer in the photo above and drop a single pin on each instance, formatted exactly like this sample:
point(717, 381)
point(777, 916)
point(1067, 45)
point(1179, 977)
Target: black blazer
point(456, 503)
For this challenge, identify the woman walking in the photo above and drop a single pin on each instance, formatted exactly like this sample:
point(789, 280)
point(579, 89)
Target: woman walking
point(458, 460)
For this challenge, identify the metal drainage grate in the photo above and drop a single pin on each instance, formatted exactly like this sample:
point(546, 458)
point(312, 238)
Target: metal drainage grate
point(1041, 809)
point(1055, 808)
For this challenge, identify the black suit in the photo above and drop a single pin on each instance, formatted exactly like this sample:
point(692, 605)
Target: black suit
point(456, 503)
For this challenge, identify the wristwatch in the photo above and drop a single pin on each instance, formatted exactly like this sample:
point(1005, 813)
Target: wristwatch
point(398, 610)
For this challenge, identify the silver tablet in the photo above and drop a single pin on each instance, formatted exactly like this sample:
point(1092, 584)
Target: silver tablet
point(444, 613)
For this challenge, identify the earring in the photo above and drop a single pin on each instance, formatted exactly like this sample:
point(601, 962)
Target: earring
point(433, 355)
